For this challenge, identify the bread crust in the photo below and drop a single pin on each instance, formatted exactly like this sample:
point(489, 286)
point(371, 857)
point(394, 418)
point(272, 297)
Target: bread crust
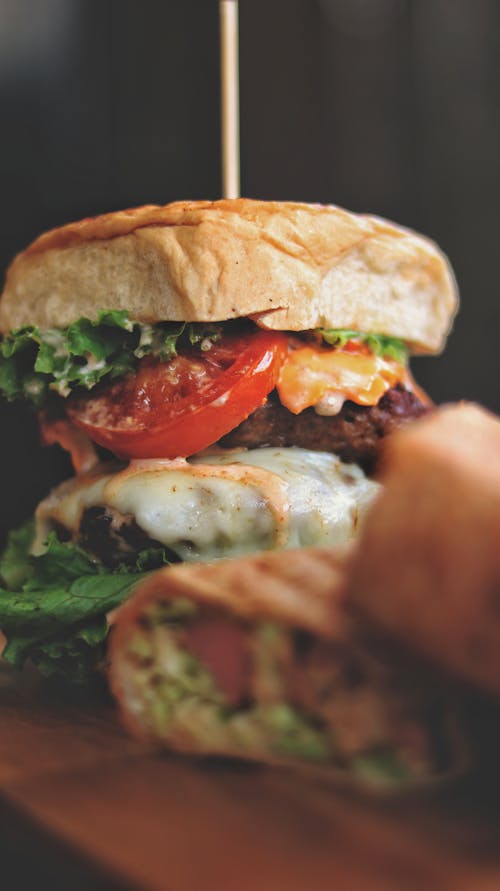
point(427, 564)
point(288, 266)
point(305, 590)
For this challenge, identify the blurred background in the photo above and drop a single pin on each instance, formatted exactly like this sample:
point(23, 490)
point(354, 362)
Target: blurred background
point(386, 106)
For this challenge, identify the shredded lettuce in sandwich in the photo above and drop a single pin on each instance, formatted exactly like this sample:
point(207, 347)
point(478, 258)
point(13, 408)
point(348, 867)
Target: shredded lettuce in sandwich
point(53, 607)
point(379, 344)
point(34, 363)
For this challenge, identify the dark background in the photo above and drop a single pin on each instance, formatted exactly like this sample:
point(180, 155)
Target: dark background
point(387, 106)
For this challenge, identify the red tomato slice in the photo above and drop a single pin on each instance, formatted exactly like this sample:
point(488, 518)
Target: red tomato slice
point(176, 408)
point(224, 648)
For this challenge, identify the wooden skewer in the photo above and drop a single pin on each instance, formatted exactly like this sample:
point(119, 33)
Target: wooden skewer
point(230, 134)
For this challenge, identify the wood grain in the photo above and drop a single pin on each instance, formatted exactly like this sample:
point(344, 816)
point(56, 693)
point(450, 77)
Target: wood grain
point(159, 823)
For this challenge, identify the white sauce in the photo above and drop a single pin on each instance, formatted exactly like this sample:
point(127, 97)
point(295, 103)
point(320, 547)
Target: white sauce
point(330, 404)
point(226, 504)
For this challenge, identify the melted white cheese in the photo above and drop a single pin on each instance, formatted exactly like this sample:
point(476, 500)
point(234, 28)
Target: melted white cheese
point(223, 504)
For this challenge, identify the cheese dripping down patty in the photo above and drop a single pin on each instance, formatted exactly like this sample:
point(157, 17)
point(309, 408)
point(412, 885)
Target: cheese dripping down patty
point(222, 504)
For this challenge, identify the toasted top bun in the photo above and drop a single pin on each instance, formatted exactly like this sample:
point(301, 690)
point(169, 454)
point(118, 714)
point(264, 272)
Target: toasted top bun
point(427, 565)
point(288, 266)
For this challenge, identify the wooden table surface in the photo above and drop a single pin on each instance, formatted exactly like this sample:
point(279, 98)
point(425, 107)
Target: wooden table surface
point(83, 806)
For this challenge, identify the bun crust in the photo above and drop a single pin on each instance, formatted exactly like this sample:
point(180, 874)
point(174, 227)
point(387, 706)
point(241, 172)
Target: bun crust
point(305, 590)
point(288, 266)
point(427, 564)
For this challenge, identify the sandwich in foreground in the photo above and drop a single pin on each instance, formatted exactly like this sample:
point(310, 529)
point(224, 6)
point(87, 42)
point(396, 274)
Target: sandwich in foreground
point(222, 374)
point(363, 660)
point(259, 658)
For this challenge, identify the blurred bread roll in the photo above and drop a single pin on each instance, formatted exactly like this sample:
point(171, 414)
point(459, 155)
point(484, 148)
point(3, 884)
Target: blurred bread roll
point(427, 569)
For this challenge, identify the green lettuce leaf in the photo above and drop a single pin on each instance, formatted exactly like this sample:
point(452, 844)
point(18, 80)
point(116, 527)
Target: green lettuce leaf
point(34, 363)
point(53, 607)
point(49, 610)
point(31, 618)
point(61, 563)
point(76, 657)
point(379, 344)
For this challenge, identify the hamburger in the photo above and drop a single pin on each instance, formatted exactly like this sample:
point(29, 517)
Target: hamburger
point(222, 374)
point(379, 664)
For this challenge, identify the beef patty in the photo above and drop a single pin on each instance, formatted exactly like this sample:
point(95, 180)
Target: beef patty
point(116, 539)
point(354, 433)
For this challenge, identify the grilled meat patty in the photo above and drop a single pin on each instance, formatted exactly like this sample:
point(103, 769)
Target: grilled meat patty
point(113, 538)
point(354, 433)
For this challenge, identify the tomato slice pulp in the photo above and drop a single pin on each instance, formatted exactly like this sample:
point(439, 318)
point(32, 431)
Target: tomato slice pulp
point(179, 407)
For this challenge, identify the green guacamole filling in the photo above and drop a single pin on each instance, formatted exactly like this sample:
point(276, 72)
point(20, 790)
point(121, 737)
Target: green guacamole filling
point(181, 702)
